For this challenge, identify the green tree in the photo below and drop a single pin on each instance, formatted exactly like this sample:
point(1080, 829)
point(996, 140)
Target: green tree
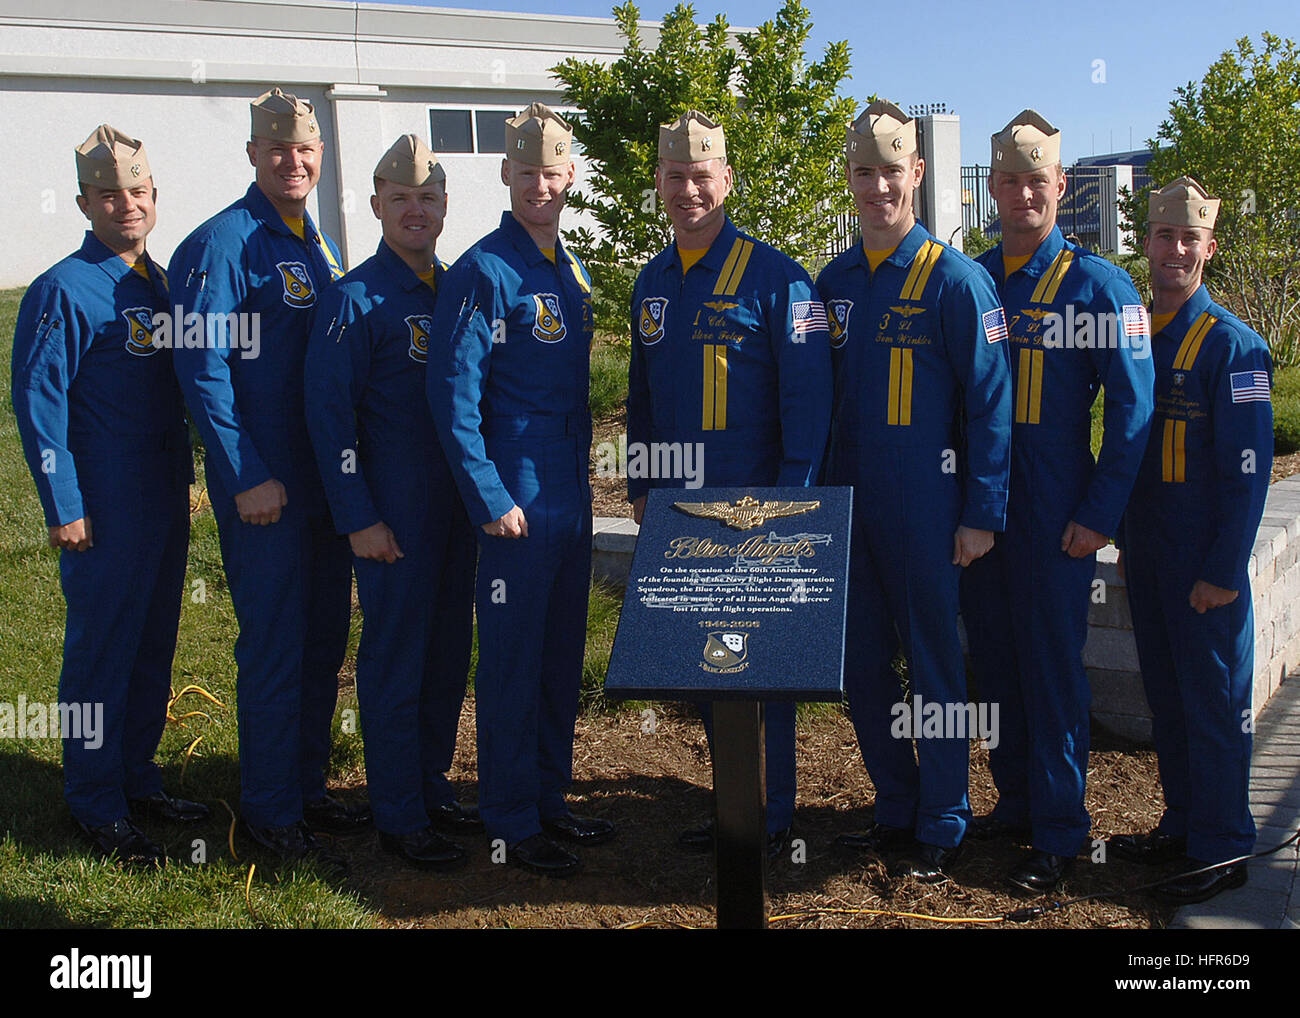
point(1237, 132)
point(784, 121)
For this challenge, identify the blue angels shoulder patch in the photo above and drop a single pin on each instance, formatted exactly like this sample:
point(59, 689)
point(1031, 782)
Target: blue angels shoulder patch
point(298, 289)
point(420, 327)
point(548, 322)
point(837, 320)
point(654, 310)
point(139, 331)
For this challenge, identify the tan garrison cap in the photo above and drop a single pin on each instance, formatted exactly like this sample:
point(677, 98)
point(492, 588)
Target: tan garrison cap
point(1183, 203)
point(537, 136)
point(883, 134)
point(279, 116)
point(1027, 143)
point(410, 162)
point(109, 159)
point(692, 138)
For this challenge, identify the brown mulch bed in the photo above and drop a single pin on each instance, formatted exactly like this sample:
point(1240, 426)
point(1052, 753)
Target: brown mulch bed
point(654, 785)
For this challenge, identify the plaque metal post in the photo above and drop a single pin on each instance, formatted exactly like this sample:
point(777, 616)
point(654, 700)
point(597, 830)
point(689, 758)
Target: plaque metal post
point(739, 790)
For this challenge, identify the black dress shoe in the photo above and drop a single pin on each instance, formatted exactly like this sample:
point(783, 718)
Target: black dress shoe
point(697, 839)
point(994, 828)
point(777, 843)
point(161, 806)
point(330, 816)
point(579, 830)
point(296, 843)
point(453, 818)
point(541, 855)
point(1151, 849)
point(1040, 872)
point(1188, 890)
point(123, 842)
point(425, 848)
point(927, 864)
point(878, 838)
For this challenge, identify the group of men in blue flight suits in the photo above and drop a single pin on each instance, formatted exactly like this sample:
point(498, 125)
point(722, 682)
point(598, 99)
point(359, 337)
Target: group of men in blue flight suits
point(323, 453)
point(405, 406)
point(960, 410)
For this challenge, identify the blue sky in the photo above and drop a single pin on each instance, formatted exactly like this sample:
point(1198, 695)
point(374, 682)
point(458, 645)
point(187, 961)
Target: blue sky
point(989, 59)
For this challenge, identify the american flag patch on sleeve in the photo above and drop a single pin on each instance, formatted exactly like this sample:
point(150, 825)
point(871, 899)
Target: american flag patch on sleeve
point(995, 325)
point(809, 316)
point(1248, 386)
point(1135, 320)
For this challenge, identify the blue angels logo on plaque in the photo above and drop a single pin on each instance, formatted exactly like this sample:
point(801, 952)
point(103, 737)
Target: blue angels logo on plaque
point(653, 312)
point(548, 322)
point(837, 320)
point(139, 331)
point(298, 290)
point(725, 653)
point(420, 327)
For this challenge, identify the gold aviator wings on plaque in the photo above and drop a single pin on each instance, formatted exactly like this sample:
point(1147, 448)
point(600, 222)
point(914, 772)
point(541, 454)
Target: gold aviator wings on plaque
point(748, 512)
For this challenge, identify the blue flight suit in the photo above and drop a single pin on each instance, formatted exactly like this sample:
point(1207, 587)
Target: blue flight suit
point(380, 461)
point(917, 349)
point(759, 407)
point(508, 376)
point(290, 581)
point(1025, 604)
point(103, 431)
point(1193, 515)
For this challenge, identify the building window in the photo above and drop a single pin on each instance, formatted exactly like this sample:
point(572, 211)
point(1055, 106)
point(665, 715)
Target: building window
point(450, 130)
point(469, 131)
point(490, 126)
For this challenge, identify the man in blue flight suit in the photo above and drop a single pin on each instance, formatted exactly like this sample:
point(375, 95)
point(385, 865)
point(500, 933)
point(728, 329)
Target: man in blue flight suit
point(1075, 323)
point(759, 409)
point(916, 336)
point(1188, 532)
point(103, 430)
point(391, 491)
point(263, 260)
point(508, 378)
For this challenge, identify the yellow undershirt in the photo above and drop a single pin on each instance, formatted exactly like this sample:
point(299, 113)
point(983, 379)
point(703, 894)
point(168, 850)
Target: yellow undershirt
point(141, 268)
point(550, 254)
point(1010, 264)
point(874, 258)
point(1158, 322)
point(299, 227)
point(430, 277)
point(690, 256)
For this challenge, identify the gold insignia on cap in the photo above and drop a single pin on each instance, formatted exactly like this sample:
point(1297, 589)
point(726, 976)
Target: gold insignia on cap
point(1028, 142)
point(700, 138)
point(1183, 202)
point(281, 116)
point(541, 137)
point(111, 159)
point(410, 162)
point(881, 135)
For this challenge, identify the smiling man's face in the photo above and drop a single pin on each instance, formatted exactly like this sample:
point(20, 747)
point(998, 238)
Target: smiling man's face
point(286, 171)
point(693, 195)
point(120, 218)
point(1177, 255)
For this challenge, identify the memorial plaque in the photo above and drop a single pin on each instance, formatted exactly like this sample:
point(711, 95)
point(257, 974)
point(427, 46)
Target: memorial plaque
point(736, 594)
